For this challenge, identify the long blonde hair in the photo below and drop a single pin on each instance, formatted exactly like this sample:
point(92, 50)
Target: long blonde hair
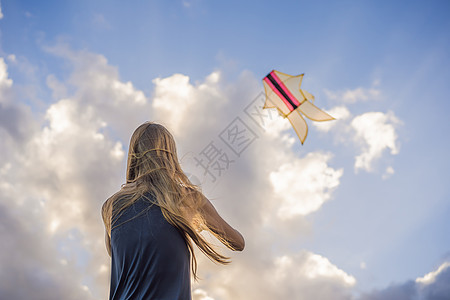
point(153, 167)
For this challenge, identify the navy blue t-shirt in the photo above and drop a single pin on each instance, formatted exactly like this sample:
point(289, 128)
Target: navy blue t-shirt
point(150, 258)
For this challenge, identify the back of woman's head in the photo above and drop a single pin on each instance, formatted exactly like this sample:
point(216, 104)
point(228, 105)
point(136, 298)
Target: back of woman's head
point(152, 151)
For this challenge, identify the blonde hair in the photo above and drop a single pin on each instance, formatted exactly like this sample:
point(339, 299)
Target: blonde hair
point(153, 167)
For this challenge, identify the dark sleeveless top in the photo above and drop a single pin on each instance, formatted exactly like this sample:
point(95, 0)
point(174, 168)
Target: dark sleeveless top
point(150, 258)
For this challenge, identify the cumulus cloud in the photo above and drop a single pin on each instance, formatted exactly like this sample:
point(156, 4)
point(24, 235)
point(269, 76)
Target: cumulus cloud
point(312, 266)
point(200, 294)
point(16, 121)
point(340, 113)
point(432, 286)
point(431, 277)
point(29, 270)
point(1, 14)
point(98, 89)
point(5, 81)
point(176, 101)
point(359, 94)
point(303, 185)
point(371, 132)
point(289, 276)
point(388, 173)
point(375, 132)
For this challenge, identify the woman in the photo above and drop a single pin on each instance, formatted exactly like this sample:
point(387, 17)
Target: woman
point(153, 220)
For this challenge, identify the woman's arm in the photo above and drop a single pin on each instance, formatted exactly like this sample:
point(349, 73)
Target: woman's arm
point(219, 226)
point(108, 243)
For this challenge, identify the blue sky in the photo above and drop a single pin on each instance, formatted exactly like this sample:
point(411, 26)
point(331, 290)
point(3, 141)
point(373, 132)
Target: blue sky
point(383, 63)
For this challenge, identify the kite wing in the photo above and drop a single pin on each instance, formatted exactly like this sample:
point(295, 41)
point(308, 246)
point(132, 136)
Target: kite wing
point(299, 125)
point(313, 112)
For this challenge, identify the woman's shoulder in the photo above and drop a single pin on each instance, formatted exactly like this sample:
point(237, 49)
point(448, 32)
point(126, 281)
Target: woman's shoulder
point(124, 189)
point(107, 206)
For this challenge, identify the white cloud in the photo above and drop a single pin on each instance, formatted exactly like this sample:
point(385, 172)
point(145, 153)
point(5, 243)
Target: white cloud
point(372, 132)
point(433, 285)
point(388, 173)
point(16, 121)
point(310, 266)
point(30, 88)
point(12, 58)
point(340, 113)
point(5, 81)
point(432, 276)
point(279, 277)
point(173, 97)
point(98, 88)
point(1, 14)
point(319, 266)
point(359, 94)
point(307, 266)
point(200, 294)
point(176, 101)
point(303, 185)
point(29, 268)
point(375, 132)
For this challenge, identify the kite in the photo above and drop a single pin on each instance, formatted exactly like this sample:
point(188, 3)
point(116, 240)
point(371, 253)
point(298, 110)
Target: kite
point(283, 93)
